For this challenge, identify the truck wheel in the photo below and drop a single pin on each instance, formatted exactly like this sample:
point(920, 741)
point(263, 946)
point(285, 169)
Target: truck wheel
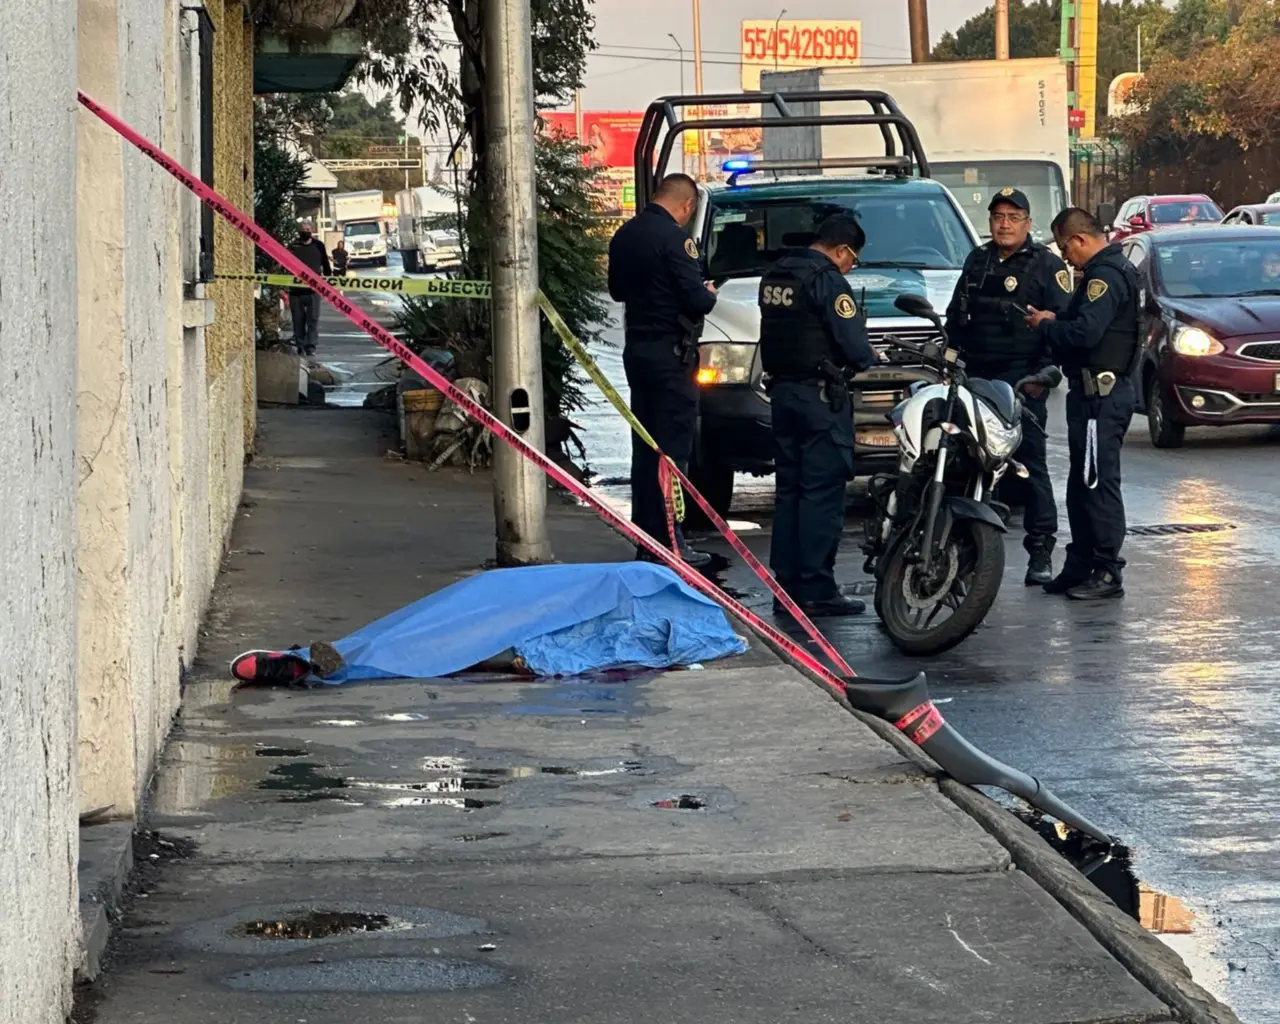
point(714, 481)
point(411, 261)
point(1164, 431)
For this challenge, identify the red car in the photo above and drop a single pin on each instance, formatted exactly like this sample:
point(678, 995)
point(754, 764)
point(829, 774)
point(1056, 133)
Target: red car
point(1212, 328)
point(1152, 213)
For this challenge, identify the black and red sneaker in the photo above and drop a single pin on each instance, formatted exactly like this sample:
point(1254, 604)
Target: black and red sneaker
point(270, 668)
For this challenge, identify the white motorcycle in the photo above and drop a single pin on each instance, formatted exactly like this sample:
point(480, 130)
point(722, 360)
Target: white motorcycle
point(935, 543)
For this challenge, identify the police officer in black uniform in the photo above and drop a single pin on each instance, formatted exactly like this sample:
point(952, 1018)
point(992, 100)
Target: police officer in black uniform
point(1013, 272)
point(655, 271)
point(1096, 342)
point(811, 338)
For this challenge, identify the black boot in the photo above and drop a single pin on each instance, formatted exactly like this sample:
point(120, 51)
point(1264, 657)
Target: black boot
point(1101, 585)
point(1040, 560)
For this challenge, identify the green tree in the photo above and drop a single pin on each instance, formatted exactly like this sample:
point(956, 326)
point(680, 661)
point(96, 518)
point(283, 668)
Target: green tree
point(1035, 30)
point(354, 128)
point(407, 55)
point(1209, 104)
point(278, 172)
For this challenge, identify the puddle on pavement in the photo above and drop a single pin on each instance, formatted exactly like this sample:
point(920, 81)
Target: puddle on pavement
point(303, 782)
point(462, 803)
point(318, 924)
point(1110, 869)
point(310, 781)
point(684, 802)
point(280, 752)
point(479, 837)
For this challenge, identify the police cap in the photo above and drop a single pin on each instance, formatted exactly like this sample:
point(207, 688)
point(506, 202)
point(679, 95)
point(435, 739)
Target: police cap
point(841, 229)
point(1013, 197)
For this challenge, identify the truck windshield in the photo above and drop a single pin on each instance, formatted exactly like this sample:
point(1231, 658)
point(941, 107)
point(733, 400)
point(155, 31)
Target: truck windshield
point(370, 228)
point(921, 230)
point(973, 183)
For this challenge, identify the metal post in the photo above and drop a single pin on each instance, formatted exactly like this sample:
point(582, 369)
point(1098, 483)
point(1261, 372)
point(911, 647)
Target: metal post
point(697, 85)
point(1002, 29)
point(519, 489)
point(684, 160)
point(918, 18)
point(406, 157)
point(776, 22)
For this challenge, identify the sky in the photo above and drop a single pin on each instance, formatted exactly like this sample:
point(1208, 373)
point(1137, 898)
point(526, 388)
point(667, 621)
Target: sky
point(637, 61)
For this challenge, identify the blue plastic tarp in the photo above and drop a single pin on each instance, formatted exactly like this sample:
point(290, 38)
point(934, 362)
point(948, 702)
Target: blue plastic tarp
point(561, 619)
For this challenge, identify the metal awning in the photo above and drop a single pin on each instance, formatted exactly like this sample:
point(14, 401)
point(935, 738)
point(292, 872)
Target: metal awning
point(283, 64)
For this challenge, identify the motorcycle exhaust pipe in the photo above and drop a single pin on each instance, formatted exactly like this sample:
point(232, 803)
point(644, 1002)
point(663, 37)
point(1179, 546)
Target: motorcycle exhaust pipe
point(905, 704)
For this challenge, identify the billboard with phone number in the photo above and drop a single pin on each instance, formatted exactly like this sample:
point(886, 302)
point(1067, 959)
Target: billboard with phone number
point(773, 46)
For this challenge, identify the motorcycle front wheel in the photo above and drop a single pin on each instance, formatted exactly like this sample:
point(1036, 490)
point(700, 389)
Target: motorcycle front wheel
point(927, 613)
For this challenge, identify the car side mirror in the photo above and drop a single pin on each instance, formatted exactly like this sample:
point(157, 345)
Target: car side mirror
point(1137, 221)
point(915, 305)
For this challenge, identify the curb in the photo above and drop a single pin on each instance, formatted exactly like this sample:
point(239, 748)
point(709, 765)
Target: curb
point(105, 863)
point(1150, 961)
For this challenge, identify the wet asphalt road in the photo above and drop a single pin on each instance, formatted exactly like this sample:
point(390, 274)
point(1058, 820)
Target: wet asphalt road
point(1157, 715)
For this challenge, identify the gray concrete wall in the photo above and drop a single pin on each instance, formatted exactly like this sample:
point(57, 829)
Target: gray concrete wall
point(38, 313)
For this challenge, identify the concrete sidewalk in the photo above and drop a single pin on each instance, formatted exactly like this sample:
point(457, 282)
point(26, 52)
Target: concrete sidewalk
point(726, 845)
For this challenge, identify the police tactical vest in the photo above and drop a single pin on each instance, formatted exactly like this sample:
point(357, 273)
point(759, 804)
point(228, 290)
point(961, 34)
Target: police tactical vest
point(794, 339)
point(995, 334)
point(1118, 349)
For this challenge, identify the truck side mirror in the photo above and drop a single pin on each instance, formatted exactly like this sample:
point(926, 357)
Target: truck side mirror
point(1106, 215)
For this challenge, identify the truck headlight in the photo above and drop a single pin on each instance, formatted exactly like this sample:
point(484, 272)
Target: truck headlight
point(1192, 341)
point(725, 362)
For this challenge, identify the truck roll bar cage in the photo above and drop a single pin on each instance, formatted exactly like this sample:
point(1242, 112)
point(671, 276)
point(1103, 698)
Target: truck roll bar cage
point(895, 129)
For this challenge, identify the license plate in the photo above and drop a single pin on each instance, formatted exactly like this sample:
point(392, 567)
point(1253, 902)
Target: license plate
point(882, 437)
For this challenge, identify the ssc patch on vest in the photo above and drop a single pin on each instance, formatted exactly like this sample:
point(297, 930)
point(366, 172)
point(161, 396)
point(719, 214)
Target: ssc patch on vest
point(1011, 284)
point(845, 307)
point(777, 295)
point(1097, 288)
point(1064, 281)
point(690, 248)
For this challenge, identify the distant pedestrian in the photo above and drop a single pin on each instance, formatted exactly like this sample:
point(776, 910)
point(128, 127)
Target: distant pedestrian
point(655, 271)
point(304, 304)
point(340, 257)
point(1096, 342)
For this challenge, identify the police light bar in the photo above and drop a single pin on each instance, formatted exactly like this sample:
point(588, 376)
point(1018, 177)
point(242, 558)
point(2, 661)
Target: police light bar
point(736, 165)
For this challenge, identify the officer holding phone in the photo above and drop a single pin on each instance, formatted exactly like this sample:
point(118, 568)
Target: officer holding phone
point(1097, 340)
point(986, 319)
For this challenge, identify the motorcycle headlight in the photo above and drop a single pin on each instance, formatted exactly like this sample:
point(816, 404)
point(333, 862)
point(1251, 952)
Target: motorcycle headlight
point(1002, 441)
point(1192, 341)
point(725, 362)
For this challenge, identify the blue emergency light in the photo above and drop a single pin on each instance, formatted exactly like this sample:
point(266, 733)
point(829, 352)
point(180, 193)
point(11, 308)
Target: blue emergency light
point(736, 165)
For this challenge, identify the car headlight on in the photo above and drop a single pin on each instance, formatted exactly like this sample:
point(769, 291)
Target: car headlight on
point(1192, 341)
point(725, 362)
point(1001, 441)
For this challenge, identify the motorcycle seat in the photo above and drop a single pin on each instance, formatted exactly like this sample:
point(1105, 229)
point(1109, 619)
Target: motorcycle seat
point(889, 699)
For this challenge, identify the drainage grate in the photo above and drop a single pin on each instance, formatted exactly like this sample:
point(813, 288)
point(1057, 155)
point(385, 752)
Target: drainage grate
point(1174, 529)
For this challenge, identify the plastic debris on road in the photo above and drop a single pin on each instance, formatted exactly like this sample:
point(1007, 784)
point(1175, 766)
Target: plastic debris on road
point(561, 620)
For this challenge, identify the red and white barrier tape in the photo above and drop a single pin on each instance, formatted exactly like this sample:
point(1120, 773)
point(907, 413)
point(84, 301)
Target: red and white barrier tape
point(246, 226)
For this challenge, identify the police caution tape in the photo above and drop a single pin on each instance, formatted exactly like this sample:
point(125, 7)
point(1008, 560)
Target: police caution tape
point(439, 287)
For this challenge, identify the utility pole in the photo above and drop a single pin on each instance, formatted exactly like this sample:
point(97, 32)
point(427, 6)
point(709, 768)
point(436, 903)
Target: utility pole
point(918, 19)
point(697, 85)
point(577, 116)
point(684, 160)
point(519, 490)
point(1002, 29)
